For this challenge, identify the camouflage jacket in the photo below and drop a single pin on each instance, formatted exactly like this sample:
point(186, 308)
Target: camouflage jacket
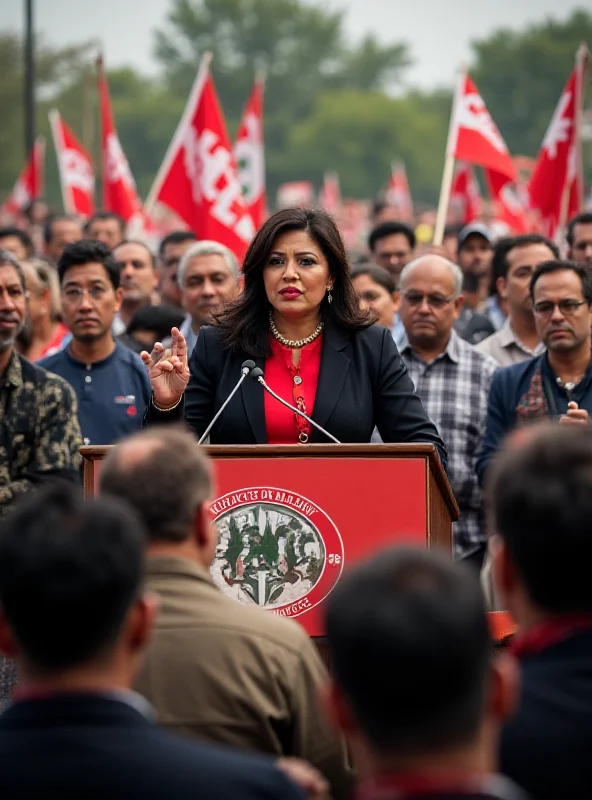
point(39, 432)
point(8, 681)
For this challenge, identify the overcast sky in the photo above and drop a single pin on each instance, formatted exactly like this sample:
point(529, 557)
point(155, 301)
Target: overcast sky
point(438, 31)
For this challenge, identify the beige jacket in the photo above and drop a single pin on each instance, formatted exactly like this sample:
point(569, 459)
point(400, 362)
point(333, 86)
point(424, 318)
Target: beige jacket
point(228, 673)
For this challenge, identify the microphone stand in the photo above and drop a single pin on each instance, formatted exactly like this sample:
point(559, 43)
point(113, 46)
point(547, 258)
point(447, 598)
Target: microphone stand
point(257, 374)
point(245, 369)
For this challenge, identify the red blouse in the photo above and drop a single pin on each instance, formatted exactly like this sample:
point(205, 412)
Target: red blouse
point(280, 374)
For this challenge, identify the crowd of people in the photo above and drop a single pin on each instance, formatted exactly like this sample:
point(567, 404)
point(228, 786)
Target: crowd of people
point(108, 615)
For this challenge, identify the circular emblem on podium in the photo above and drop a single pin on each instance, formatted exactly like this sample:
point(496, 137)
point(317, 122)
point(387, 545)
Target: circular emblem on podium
point(276, 549)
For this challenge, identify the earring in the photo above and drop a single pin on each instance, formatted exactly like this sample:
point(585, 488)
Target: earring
point(329, 297)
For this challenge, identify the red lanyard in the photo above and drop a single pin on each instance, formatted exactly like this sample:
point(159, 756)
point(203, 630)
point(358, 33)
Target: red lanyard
point(298, 395)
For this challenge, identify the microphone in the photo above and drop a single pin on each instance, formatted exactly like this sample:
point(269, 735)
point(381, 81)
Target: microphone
point(246, 367)
point(257, 374)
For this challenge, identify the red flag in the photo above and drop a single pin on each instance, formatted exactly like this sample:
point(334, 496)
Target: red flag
point(511, 208)
point(119, 188)
point(551, 175)
point(465, 196)
point(330, 194)
point(250, 157)
point(397, 194)
point(75, 167)
point(295, 193)
point(29, 185)
point(474, 135)
point(198, 178)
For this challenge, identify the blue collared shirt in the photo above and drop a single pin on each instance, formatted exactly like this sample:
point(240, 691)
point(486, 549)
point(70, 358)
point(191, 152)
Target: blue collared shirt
point(398, 332)
point(112, 394)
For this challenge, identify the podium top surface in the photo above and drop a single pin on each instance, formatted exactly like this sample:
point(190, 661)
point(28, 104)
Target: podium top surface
point(399, 451)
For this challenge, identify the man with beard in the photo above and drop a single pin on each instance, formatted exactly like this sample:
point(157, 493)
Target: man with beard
point(474, 254)
point(558, 383)
point(110, 381)
point(39, 432)
point(208, 277)
point(138, 280)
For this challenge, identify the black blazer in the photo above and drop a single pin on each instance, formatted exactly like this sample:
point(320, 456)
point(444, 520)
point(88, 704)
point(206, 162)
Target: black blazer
point(93, 747)
point(363, 383)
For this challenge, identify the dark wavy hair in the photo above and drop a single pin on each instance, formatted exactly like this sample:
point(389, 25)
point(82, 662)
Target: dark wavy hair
point(244, 323)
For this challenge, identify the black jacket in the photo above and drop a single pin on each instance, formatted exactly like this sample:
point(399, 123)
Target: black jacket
point(546, 746)
point(93, 747)
point(363, 383)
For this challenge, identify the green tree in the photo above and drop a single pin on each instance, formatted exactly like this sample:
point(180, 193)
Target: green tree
point(521, 75)
point(291, 557)
point(269, 546)
point(234, 547)
point(358, 134)
point(301, 48)
point(54, 70)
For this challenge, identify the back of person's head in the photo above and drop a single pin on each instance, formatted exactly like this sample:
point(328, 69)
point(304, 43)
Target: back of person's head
point(411, 651)
point(70, 571)
point(88, 251)
point(384, 229)
point(540, 490)
point(164, 476)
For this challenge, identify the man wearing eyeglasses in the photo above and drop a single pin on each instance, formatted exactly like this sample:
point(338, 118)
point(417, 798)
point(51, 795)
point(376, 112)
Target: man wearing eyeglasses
point(453, 381)
point(557, 384)
point(110, 380)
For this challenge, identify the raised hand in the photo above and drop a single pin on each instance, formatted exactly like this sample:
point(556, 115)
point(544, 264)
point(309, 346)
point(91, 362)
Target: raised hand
point(575, 415)
point(168, 370)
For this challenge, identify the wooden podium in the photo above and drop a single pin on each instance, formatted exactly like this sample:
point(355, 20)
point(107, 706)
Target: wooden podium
point(291, 517)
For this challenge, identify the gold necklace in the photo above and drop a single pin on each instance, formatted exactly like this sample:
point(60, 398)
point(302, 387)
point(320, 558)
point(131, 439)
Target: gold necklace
point(296, 344)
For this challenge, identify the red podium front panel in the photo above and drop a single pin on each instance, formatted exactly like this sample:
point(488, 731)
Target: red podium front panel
point(300, 525)
point(291, 519)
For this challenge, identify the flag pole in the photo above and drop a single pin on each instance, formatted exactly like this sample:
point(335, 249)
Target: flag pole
point(583, 60)
point(196, 90)
point(54, 121)
point(448, 174)
point(581, 67)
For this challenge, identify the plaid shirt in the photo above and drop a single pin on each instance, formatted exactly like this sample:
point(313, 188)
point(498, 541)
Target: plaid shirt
point(454, 389)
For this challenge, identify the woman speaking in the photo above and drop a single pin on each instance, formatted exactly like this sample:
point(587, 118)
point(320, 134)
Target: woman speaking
point(298, 319)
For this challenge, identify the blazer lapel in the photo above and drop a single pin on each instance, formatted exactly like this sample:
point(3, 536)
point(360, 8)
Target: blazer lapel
point(252, 393)
point(334, 367)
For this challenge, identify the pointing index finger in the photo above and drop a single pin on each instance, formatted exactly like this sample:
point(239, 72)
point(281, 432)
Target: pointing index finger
point(179, 345)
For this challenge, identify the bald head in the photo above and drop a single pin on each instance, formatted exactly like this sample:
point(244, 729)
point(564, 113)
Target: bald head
point(431, 301)
point(435, 265)
point(164, 475)
point(133, 452)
